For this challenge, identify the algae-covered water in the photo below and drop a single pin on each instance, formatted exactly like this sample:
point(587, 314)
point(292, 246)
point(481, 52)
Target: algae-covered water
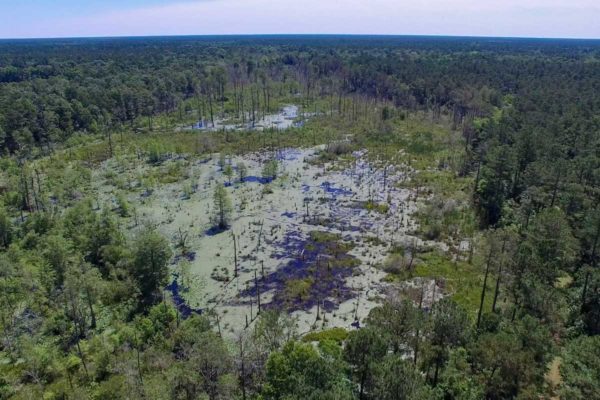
point(310, 242)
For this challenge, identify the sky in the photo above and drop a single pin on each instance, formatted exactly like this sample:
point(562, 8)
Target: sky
point(514, 18)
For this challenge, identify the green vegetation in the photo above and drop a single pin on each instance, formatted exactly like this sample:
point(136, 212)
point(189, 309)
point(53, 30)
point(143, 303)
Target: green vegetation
point(298, 289)
point(496, 140)
point(270, 169)
point(380, 208)
point(150, 257)
point(460, 279)
point(337, 335)
point(324, 237)
point(242, 171)
point(222, 207)
point(579, 369)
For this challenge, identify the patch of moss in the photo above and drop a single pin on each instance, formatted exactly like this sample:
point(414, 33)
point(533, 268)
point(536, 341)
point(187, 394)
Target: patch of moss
point(324, 237)
point(298, 289)
point(463, 281)
point(337, 335)
point(345, 262)
point(381, 208)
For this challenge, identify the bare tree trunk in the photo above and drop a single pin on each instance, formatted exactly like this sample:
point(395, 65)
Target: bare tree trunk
point(257, 291)
point(487, 270)
point(91, 307)
point(242, 370)
point(417, 333)
point(210, 106)
point(497, 290)
point(235, 260)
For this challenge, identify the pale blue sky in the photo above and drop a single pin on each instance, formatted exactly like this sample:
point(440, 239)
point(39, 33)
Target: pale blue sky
point(531, 18)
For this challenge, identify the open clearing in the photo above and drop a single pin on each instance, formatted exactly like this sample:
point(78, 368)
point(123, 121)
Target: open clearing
point(287, 117)
point(311, 241)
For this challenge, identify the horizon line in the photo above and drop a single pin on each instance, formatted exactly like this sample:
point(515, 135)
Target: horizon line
point(232, 35)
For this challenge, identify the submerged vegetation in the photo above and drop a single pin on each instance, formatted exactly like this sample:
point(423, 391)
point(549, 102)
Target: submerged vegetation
point(426, 226)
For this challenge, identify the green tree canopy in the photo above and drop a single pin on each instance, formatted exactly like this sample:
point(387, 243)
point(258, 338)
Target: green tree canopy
point(150, 258)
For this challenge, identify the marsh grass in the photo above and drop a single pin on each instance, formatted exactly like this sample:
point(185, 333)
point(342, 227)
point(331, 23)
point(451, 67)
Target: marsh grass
point(461, 280)
point(337, 335)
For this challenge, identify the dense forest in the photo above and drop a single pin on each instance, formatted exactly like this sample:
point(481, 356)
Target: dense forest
point(502, 137)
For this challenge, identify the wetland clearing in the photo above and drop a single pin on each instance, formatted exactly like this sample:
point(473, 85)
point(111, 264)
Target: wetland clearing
point(309, 236)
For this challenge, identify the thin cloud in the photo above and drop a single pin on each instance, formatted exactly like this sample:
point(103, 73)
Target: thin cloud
point(550, 18)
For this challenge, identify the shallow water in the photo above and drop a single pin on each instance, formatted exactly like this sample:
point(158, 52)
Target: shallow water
point(272, 230)
point(287, 117)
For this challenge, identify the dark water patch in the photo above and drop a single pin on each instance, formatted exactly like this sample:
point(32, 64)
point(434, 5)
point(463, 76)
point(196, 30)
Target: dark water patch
point(199, 125)
point(335, 191)
point(351, 217)
point(189, 256)
point(176, 289)
point(289, 154)
point(215, 230)
point(314, 273)
point(342, 223)
point(258, 179)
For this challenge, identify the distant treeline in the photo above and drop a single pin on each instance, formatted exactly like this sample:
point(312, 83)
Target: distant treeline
point(51, 89)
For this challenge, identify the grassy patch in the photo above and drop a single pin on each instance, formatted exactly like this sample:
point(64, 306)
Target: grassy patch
point(447, 213)
point(332, 249)
point(337, 335)
point(298, 289)
point(445, 183)
point(381, 208)
point(324, 237)
point(461, 280)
